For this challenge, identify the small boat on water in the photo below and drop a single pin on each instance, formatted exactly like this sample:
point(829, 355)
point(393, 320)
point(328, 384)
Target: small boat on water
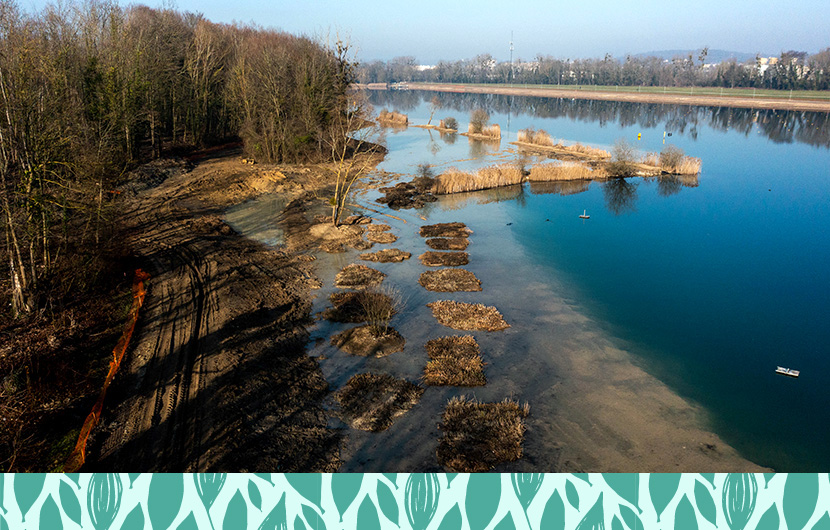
point(787, 371)
point(584, 215)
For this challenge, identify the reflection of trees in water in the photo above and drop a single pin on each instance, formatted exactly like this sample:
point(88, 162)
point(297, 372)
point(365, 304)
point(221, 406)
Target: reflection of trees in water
point(620, 196)
point(812, 128)
point(481, 148)
point(449, 138)
point(457, 201)
point(565, 187)
point(668, 185)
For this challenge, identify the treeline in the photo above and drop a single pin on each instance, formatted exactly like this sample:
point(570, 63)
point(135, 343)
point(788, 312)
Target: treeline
point(792, 70)
point(88, 90)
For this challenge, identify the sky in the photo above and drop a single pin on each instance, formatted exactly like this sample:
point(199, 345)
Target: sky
point(433, 30)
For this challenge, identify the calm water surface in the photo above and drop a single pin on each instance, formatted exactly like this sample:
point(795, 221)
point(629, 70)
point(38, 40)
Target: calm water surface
point(710, 286)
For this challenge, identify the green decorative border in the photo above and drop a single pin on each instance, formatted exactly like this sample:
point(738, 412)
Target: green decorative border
point(421, 501)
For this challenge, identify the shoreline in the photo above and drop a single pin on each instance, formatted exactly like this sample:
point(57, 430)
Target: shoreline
point(760, 102)
point(590, 420)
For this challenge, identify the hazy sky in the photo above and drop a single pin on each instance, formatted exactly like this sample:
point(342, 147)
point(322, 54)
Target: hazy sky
point(431, 30)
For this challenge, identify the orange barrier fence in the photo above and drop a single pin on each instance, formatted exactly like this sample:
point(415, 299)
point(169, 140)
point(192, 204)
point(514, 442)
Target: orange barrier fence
point(78, 456)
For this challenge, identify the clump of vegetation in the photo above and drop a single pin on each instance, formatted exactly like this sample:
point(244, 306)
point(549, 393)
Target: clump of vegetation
point(379, 306)
point(464, 316)
point(413, 194)
point(394, 118)
point(532, 136)
point(372, 402)
point(496, 176)
point(387, 255)
point(671, 157)
point(445, 259)
point(449, 281)
point(478, 121)
point(561, 172)
point(593, 152)
point(449, 123)
point(356, 276)
point(623, 156)
point(479, 436)
point(376, 236)
point(451, 230)
point(448, 243)
point(363, 341)
point(454, 361)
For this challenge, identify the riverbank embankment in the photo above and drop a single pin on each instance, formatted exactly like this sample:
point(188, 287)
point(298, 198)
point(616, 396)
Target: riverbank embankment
point(669, 98)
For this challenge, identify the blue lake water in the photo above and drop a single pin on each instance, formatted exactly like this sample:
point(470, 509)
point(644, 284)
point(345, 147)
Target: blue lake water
point(709, 284)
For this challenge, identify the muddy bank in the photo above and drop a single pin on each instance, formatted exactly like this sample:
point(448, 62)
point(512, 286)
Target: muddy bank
point(671, 99)
point(218, 376)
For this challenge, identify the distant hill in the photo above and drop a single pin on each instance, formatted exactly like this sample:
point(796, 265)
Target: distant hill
point(714, 56)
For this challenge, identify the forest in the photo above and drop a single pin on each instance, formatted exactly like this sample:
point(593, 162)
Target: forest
point(88, 91)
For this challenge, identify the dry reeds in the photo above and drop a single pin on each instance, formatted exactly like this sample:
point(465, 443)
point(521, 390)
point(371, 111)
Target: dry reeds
point(560, 172)
point(652, 159)
point(468, 317)
point(358, 277)
point(456, 181)
point(454, 361)
point(689, 166)
point(432, 258)
point(450, 281)
point(532, 136)
point(393, 118)
point(588, 150)
point(478, 436)
point(455, 229)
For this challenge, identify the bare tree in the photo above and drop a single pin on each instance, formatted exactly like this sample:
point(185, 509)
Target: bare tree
point(352, 140)
point(434, 105)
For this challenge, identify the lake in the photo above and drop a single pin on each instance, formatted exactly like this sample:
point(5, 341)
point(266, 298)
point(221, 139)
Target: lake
point(704, 285)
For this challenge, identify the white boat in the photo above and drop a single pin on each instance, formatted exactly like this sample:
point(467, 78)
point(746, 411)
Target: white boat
point(584, 215)
point(787, 371)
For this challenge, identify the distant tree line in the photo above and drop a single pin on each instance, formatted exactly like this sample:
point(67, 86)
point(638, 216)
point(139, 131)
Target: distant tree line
point(88, 90)
point(792, 70)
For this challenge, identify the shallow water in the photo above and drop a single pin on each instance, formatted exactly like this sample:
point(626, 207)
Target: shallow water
point(706, 286)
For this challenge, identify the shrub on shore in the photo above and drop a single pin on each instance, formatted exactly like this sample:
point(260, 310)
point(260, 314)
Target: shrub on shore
point(449, 123)
point(622, 159)
point(478, 121)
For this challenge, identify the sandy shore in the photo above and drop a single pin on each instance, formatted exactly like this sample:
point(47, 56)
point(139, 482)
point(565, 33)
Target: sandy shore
point(759, 102)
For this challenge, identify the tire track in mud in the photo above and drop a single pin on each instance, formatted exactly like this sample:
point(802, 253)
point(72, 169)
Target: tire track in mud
point(217, 376)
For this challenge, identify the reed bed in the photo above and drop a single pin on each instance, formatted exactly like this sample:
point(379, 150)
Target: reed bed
point(587, 150)
point(560, 172)
point(689, 166)
point(393, 118)
point(456, 181)
point(652, 159)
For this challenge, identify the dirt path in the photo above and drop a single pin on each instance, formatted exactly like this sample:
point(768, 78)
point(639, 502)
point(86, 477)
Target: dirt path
point(673, 99)
point(218, 377)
